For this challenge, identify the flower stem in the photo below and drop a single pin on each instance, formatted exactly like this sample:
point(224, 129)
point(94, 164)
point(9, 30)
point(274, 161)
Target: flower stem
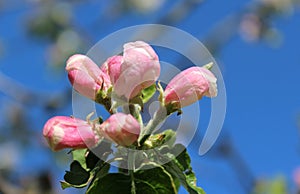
point(131, 168)
point(159, 116)
point(135, 111)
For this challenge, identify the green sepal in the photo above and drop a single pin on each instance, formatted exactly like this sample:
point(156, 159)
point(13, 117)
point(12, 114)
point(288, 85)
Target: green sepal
point(147, 93)
point(161, 93)
point(173, 107)
point(208, 65)
point(167, 137)
point(104, 98)
point(144, 96)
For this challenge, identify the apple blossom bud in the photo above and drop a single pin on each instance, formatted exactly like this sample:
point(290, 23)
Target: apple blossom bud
point(140, 69)
point(120, 128)
point(189, 86)
point(67, 132)
point(112, 67)
point(86, 77)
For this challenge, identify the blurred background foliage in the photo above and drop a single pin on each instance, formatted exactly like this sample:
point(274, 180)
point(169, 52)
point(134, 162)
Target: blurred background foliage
point(49, 31)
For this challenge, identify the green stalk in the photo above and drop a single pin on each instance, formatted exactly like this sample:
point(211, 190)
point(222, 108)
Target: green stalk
point(135, 111)
point(159, 116)
point(131, 169)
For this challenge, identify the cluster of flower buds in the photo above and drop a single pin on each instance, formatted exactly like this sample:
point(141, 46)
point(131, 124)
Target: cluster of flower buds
point(125, 76)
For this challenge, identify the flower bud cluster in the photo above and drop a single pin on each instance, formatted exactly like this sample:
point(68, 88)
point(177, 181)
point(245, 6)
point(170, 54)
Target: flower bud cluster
point(125, 76)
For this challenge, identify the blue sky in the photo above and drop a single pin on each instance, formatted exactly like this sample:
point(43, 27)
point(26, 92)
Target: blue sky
point(262, 85)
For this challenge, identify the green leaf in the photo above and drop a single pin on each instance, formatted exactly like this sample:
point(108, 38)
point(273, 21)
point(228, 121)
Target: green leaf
point(100, 172)
point(188, 181)
point(86, 164)
point(147, 93)
point(153, 180)
point(114, 183)
point(156, 176)
point(180, 167)
point(145, 188)
point(77, 176)
point(79, 155)
point(192, 181)
point(182, 156)
point(91, 160)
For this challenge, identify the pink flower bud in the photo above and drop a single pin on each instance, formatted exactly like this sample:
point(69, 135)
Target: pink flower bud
point(189, 86)
point(121, 128)
point(86, 77)
point(66, 132)
point(112, 67)
point(140, 69)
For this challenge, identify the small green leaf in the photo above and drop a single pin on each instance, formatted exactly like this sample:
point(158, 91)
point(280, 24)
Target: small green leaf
point(147, 93)
point(65, 185)
point(91, 160)
point(79, 155)
point(77, 175)
point(86, 164)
